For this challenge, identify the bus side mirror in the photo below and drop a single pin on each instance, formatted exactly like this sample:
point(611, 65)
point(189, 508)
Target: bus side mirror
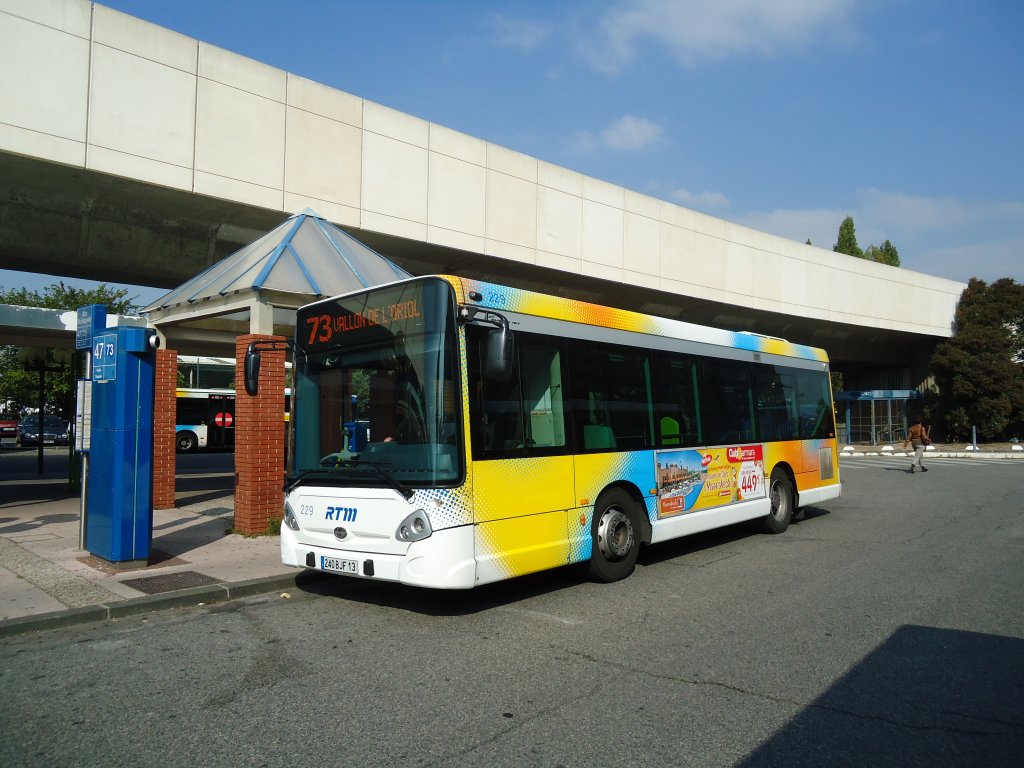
point(499, 353)
point(252, 370)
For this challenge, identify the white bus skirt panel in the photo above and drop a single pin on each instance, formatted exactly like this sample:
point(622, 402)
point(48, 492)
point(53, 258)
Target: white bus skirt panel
point(707, 519)
point(818, 495)
point(444, 560)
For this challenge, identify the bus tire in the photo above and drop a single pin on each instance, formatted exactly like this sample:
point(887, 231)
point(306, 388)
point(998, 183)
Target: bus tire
point(780, 494)
point(186, 442)
point(615, 533)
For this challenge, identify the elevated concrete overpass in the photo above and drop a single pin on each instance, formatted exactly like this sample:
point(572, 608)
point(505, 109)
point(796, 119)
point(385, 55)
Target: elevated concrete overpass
point(131, 153)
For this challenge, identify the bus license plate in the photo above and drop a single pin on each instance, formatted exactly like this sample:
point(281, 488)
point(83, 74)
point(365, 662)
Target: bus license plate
point(339, 565)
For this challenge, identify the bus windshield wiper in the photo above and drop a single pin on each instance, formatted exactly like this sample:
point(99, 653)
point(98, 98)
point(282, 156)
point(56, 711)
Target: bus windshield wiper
point(298, 478)
point(391, 479)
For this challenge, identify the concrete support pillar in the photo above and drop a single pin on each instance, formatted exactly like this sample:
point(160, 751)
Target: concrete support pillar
point(259, 440)
point(164, 418)
point(261, 317)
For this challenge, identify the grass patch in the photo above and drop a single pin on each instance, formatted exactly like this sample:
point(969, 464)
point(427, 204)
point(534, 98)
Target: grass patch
point(273, 529)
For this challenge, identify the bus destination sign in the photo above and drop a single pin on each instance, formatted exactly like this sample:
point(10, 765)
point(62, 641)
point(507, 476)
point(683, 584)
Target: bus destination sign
point(324, 328)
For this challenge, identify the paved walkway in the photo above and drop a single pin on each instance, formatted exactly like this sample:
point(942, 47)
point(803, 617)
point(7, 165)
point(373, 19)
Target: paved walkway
point(47, 581)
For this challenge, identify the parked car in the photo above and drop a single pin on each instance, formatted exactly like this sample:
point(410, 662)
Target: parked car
point(8, 426)
point(55, 431)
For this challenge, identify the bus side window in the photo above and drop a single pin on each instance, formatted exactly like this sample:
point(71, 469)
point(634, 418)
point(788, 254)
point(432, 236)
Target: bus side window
point(611, 397)
point(675, 388)
point(541, 372)
point(495, 406)
point(776, 403)
point(812, 397)
point(526, 413)
point(192, 410)
point(503, 419)
point(727, 401)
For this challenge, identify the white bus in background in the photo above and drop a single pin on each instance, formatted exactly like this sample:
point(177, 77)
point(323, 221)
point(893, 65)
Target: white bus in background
point(205, 419)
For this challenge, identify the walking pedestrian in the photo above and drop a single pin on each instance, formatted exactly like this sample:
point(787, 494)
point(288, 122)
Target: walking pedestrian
point(917, 437)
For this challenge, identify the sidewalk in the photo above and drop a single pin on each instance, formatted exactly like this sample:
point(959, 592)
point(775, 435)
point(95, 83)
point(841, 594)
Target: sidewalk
point(46, 581)
point(940, 451)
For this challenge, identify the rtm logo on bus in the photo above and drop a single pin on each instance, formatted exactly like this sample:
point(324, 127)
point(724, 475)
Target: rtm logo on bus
point(342, 514)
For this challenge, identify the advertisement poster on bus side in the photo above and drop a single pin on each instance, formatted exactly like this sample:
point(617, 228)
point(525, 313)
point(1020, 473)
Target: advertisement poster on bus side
point(690, 479)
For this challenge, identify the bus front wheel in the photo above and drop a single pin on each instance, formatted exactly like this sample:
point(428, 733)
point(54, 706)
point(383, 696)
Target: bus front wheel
point(780, 494)
point(186, 442)
point(616, 536)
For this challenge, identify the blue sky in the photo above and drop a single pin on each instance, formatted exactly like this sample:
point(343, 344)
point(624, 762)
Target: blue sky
point(785, 116)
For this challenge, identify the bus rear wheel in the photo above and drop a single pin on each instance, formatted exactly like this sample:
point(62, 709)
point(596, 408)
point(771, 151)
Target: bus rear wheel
point(186, 442)
point(616, 536)
point(780, 494)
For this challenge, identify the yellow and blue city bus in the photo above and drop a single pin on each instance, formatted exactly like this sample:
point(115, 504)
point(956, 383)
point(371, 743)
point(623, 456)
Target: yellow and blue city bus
point(449, 433)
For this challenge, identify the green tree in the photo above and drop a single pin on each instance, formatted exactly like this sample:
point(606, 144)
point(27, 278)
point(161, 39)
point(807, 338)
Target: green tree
point(60, 296)
point(848, 239)
point(1010, 296)
point(889, 254)
point(18, 387)
point(978, 370)
point(886, 254)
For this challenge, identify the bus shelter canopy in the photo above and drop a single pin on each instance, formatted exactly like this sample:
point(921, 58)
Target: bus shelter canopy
point(258, 288)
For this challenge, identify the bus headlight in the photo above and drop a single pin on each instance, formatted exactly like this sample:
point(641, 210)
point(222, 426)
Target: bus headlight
point(289, 517)
point(415, 527)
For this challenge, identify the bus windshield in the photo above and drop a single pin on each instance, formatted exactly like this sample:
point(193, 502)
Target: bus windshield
point(375, 389)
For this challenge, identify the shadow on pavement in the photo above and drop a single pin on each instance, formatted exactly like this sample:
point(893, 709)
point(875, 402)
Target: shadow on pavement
point(21, 524)
point(927, 696)
point(179, 543)
point(697, 550)
point(28, 492)
point(204, 495)
point(440, 602)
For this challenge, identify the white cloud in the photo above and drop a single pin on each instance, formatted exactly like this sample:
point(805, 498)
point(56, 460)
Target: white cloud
point(523, 34)
point(585, 142)
point(697, 30)
point(940, 236)
point(704, 201)
point(630, 133)
point(627, 134)
point(988, 260)
point(917, 214)
point(820, 225)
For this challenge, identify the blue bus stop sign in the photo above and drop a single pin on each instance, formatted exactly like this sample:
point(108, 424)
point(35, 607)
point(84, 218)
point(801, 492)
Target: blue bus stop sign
point(104, 357)
point(91, 319)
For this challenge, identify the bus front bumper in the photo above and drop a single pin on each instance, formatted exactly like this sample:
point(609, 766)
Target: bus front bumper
point(443, 561)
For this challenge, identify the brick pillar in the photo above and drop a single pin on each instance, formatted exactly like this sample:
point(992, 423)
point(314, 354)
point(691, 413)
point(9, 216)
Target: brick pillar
point(164, 417)
point(259, 440)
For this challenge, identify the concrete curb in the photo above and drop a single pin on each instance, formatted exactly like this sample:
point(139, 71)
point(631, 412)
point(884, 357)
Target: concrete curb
point(182, 598)
point(940, 454)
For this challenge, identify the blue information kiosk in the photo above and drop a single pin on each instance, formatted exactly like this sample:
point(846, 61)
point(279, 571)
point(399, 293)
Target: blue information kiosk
point(119, 492)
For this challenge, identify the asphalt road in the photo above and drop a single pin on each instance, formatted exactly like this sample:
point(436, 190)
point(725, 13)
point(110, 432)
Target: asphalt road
point(884, 629)
point(16, 461)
